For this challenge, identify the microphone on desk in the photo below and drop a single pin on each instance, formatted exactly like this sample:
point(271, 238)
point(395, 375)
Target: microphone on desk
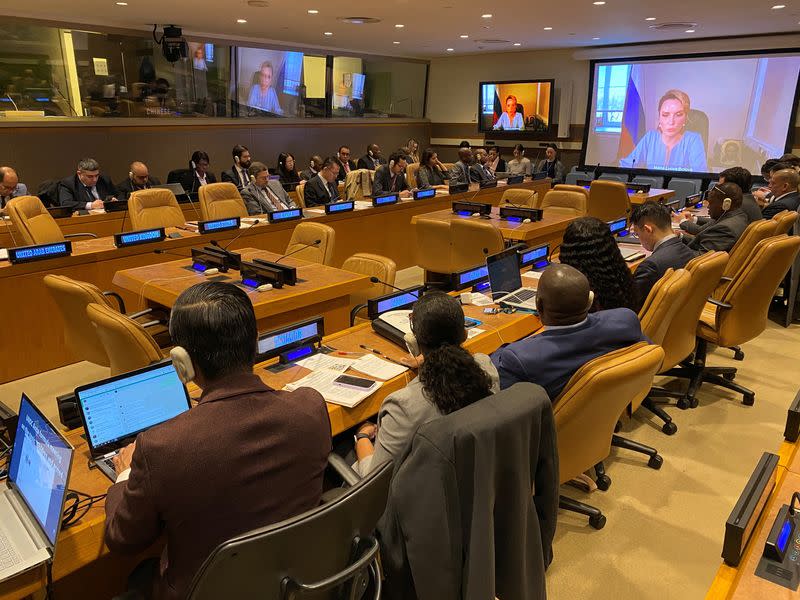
point(374, 279)
point(597, 171)
point(314, 244)
point(225, 248)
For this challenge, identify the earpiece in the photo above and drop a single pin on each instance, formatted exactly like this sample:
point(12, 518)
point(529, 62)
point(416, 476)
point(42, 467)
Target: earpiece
point(130, 175)
point(411, 344)
point(236, 159)
point(252, 179)
point(526, 221)
point(370, 153)
point(391, 164)
point(726, 204)
point(182, 363)
point(193, 164)
point(591, 300)
point(210, 272)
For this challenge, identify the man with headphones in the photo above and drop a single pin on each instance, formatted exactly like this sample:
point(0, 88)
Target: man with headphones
point(391, 178)
point(728, 221)
point(372, 159)
point(237, 175)
point(138, 179)
point(346, 164)
point(244, 457)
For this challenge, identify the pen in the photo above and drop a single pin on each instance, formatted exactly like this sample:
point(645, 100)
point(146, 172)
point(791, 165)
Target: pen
point(381, 354)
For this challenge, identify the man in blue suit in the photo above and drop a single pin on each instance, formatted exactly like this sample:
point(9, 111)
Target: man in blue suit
point(10, 187)
point(571, 337)
point(652, 223)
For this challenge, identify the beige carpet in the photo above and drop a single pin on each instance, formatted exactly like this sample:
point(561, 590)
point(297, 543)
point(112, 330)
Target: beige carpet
point(664, 533)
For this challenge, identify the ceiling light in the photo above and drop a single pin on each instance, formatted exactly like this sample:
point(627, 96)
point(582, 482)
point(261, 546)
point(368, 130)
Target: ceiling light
point(486, 16)
point(650, 19)
point(122, 4)
point(517, 44)
point(449, 49)
point(690, 31)
point(548, 28)
point(395, 42)
point(328, 33)
point(463, 37)
point(595, 38)
point(778, 6)
point(598, 3)
point(313, 11)
point(241, 20)
point(399, 25)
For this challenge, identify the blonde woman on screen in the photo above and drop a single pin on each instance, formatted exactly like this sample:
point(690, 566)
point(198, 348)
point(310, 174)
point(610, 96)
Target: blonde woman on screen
point(670, 147)
point(262, 95)
point(510, 119)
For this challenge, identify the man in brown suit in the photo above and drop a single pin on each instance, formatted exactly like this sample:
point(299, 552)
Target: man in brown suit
point(246, 456)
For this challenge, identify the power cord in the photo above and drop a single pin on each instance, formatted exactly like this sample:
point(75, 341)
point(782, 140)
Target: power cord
point(81, 503)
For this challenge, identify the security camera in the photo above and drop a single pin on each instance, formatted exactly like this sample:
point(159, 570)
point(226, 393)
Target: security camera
point(173, 46)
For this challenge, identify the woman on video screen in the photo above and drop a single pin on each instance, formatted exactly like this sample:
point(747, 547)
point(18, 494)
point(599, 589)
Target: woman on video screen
point(262, 94)
point(510, 119)
point(670, 147)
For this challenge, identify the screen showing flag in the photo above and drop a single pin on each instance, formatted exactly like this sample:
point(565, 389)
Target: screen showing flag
point(691, 115)
point(515, 106)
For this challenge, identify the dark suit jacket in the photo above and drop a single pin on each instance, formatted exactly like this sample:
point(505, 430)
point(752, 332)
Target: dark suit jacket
point(790, 201)
point(341, 176)
point(670, 254)
point(558, 170)
point(367, 162)
point(125, 189)
point(749, 206)
point(232, 175)
point(428, 177)
point(261, 204)
point(315, 193)
point(501, 166)
point(459, 173)
point(721, 234)
point(307, 174)
point(246, 456)
point(73, 194)
point(382, 184)
point(484, 524)
point(480, 173)
point(188, 179)
point(553, 356)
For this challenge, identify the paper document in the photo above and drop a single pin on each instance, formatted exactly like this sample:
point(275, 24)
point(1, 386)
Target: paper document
point(362, 204)
point(323, 382)
point(3, 254)
point(533, 274)
point(325, 361)
point(471, 333)
point(315, 211)
point(371, 365)
point(397, 319)
point(479, 299)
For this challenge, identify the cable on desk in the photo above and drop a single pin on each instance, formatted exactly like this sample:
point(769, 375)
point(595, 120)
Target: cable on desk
point(81, 504)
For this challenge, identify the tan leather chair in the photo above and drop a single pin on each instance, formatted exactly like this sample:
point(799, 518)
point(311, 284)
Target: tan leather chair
point(565, 187)
point(411, 175)
point(785, 221)
point(358, 184)
point(587, 410)
point(608, 200)
point(34, 224)
point(371, 265)
point(742, 249)
point(471, 241)
point(154, 207)
point(558, 202)
point(304, 235)
point(221, 201)
point(300, 191)
point(740, 314)
point(520, 197)
point(127, 344)
point(433, 247)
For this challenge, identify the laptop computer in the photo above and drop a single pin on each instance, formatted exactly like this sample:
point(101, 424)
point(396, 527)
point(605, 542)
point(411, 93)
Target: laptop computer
point(115, 410)
point(177, 189)
point(32, 499)
point(506, 281)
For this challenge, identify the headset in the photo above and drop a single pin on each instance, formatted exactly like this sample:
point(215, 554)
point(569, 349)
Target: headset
point(236, 159)
point(727, 202)
point(193, 165)
point(182, 363)
point(369, 151)
point(130, 175)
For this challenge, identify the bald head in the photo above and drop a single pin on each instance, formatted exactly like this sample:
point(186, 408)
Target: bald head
point(563, 296)
point(139, 173)
point(8, 181)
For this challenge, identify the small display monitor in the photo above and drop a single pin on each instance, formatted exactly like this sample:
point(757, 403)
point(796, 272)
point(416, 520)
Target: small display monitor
point(135, 238)
point(277, 341)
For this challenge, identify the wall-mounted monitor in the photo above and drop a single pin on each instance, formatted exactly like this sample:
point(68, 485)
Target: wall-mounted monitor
point(270, 82)
point(691, 114)
point(515, 106)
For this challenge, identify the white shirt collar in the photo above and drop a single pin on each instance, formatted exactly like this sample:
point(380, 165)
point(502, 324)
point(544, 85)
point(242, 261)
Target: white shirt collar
point(662, 240)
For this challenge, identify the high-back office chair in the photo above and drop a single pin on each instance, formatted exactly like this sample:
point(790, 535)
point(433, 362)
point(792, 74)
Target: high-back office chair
point(127, 344)
point(573, 177)
point(154, 207)
point(785, 221)
point(433, 247)
point(276, 563)
point(740, 314)
point(519, 197)
point(560, 202)
point(566, 187)
point(371, 265)
point(655, 182)
point(587, 410)
point(471, 240)
point(608, 200)
point(743, 249)
point(622, 178)
point(683, 188)
point(221, 201)
point(698, 121)
point(411, 174)
point(300, 190)
point(358, 184)
point(304, 235)
point(34, 224)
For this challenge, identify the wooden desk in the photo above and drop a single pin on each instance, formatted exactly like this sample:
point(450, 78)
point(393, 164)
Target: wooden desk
point(657, 194)
point(82, 560)
point(320, 290)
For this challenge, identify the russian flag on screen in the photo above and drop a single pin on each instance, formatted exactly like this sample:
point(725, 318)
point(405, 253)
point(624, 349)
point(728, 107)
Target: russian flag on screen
point(633, 125)
point(498, 107)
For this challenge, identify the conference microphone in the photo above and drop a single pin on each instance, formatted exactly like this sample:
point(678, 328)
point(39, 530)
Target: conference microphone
point(597, 171)
point(60, 93)
point(374, 279)
point(314, 244)
point(225, 248)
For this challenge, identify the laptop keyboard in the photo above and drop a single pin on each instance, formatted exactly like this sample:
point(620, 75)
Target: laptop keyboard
point(8, 554)
point(521, 296)
point(109, 462)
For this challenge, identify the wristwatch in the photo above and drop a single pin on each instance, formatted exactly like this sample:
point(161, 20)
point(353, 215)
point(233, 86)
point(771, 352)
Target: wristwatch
point(361, 436)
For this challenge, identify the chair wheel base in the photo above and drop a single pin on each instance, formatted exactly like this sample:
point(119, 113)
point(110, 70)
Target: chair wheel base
point(749, 399)
point(598, 521)
point(655, 462)
point(729, 376)
point(603, 482)
point(738, 355)
point(684, 403)
point(670, 428)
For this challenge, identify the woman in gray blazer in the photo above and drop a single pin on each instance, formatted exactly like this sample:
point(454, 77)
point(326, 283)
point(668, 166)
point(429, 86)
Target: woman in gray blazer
point(449, 378)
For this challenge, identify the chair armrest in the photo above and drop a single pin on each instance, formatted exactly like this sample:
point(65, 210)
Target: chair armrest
point(720, 304)
point(354, 313)
point(141, 313)
point(118, 298)
point(726, 278)
point(72, 235)
point(149, 323)
point(338, 464)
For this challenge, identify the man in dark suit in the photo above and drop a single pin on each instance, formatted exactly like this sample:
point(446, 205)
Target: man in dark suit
point(652, 223)
point(314, 165)
point(138, 179)
point(264, 195)
point(479, 172)
point(728, 221)
point(571, 338)
point(391, 178)
point(87, 189)
point(245, 457)
point(372, 159)
point(346, 164)
point(459, 172)
point(783, 184)
point(237, 174)
point(495, 163)
point(323, 189)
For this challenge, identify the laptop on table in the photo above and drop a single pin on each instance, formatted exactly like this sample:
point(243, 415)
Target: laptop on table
point(32, 499)
point(115, 410)
point(506, 281)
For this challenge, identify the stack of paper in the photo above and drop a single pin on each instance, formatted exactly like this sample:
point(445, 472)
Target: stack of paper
point(371, 365)
point(316, 362)
point(323, 382)
point(362, 204)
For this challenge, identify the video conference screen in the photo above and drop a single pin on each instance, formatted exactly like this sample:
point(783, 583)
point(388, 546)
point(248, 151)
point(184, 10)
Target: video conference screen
point(697, 115)
point(270, 81)
point(515, 106)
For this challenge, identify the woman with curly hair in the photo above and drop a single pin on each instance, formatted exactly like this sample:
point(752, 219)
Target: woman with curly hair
point(589, 246)
point(450, 378)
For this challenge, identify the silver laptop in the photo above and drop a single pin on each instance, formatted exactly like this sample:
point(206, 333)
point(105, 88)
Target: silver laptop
point(32, 500)
point(175, 188)
point(115, 410)
point(506, 281)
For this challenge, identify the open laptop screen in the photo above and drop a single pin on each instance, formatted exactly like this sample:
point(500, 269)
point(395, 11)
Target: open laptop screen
point(504, 274)
point(40, 462)
point(119, 408)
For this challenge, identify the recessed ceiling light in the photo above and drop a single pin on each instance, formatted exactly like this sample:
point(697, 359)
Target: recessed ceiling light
point(328, 33)
point(313, 11)
point(598, 3)
point(517, 44)
point(399, 25)
point(241, 20)
point(486, 16)
point(595, 38)
point(463, 37)
point(548, 28)
point(778, 6)
point(395, 42)
point(690, 31)
point(449, 49)
point(122, 4)
point(650, 19)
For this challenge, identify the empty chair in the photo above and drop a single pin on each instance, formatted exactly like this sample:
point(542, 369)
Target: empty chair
point(683, 188)
point(304, 241)
point(519, 197)
point(221, 201)
point(127, 344)
point(743, 248)
point(300, 191)
point(614, 177)
point(655, 182)
point(573, 177)
point(371, 265)
point(154, 207)
point(608, 200)
point(565, 187)
point(34, 224)
point(358, 184)
point(471, 241)
point(560, 202)
point(433, 247)
point(785, 221)
point(411, 174)
point(587, 410)
point(275, 562)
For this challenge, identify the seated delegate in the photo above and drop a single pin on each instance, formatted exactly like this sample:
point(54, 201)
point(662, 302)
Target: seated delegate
point(449, 378)
point(139, 178)
point(459, 172)
point(551, 165)
point(245, 457)
point(287, 173)
point(728, 221)
point(519, 165)
point(87, 189)
point(479, 172)
point(197, 175)
point(431, 172)
point(264, 195)
point(391, 177)
point(571, 337)
point(10, 187)
point(783, 185)
point(314, 165)
point(237, 174)
point(323, 189)
point(372, 159)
